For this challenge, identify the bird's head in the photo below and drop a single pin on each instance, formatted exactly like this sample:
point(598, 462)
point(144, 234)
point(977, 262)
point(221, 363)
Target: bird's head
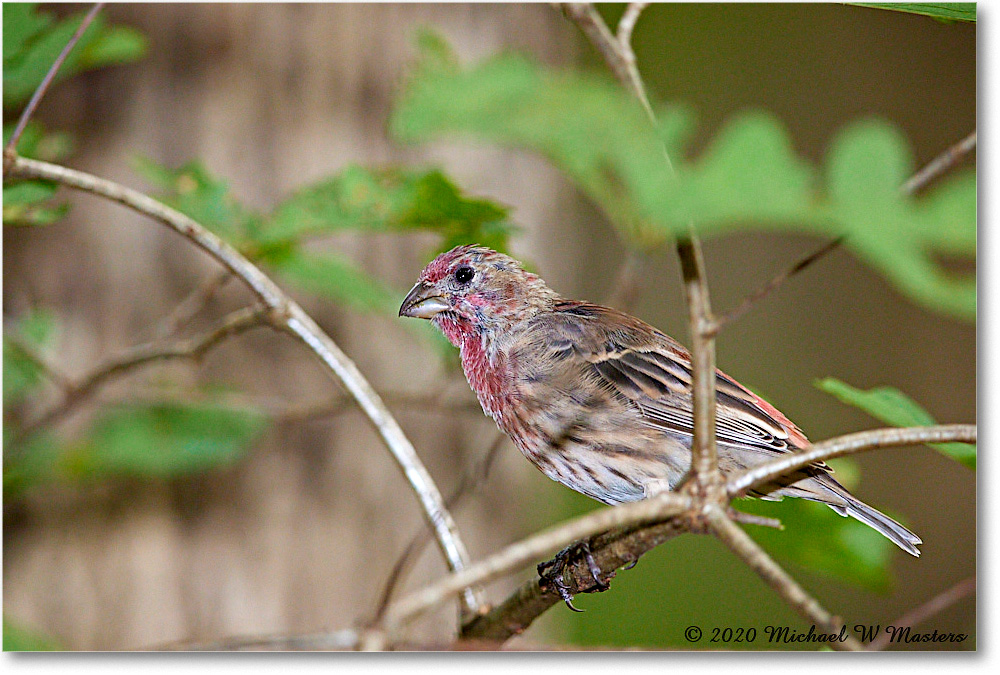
point(476, 289)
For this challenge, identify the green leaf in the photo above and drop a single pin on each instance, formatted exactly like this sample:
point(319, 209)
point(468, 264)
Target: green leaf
point(21, 374)
point(31, 461)
point(336, 278)
point(166, 439)
point(35, 42)
point(819, 539)
point(23, 204)
point(28, 192)
point(20, 24)
point(25, 70)
point(17, 638)
point(37, 143)
point(945, 11)
point(748, 177)
point(382, 200)
point(198, 194)
point(115, 45)
point(892, 406)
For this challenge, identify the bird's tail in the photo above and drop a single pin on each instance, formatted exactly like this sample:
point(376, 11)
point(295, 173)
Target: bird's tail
point(826, 490)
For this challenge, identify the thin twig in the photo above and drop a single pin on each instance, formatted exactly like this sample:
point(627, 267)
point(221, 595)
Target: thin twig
point(740, 543)
point(627, 23)
point(657, 508)
point(773, 285)
point(470, 481)
point(10, 150)
point(920, 179)
point(940, 164)
point(192, 348)
point(51, 371)
point(761, 474)
point(704, 453)
point(288, 316)
point(620, 57)
point(193, 303)
point(918, 615)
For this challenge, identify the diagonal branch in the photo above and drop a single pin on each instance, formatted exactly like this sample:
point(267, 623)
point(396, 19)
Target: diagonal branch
point(938, 603)
point(285, 314)
point(142, 355)
point(940, 164)
point(10, 151)
point(740, 543)
point(761, 474)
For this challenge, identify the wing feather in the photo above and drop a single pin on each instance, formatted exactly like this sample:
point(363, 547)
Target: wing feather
point(652, 371)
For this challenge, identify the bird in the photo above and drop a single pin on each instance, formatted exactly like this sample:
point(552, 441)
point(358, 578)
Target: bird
point(599, 400)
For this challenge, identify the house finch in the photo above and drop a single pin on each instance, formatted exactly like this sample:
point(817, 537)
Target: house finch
point(599, 400)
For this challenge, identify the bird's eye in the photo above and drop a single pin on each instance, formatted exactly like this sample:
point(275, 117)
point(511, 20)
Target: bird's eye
point(464, 274)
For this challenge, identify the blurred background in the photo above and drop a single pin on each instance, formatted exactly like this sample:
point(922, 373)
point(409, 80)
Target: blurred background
point(298, 531)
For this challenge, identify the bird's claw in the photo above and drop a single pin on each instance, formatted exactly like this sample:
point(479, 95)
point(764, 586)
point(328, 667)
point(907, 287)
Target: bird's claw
point(552, 571)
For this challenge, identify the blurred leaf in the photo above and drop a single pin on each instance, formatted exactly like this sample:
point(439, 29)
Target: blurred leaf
point(32, 461)
point(20, 372)
point(331, 276)
point(37, 143)
point(21, 23)
point(116, 45)
point(17, 638)
point(32, 42)
point(382, 200)
point(749, 175)
point(947, 11)
point(195, 192)
point(27, 192)
point(819, 539)
point(892, 406)
point(24, 204)
point(166, 439)
point(866, 165)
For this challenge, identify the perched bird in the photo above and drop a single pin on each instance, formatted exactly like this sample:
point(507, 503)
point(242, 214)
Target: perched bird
point(599, 400)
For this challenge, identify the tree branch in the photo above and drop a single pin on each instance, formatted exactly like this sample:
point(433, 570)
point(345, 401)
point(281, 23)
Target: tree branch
point(660, 507)
point(761, 474)
point(940, 164)
point(142, 355)
point(938, 603)
point(193, 303)
point(611, 551)
point(740, 543)
point(288, 316)
point(10, 151)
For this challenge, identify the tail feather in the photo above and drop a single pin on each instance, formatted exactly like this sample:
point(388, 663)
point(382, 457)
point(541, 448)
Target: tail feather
point(826, 490)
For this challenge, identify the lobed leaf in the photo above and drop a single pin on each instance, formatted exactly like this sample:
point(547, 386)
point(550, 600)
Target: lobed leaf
point(748, 177)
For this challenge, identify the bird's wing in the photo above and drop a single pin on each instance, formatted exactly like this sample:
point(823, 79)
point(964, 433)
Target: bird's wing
point(652, 371)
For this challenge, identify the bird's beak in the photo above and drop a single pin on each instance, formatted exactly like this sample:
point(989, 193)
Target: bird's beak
point(422, 302)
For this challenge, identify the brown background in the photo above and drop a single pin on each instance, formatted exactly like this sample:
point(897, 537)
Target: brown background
point(300, 536)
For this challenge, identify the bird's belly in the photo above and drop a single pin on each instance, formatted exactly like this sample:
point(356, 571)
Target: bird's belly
point(609, 471)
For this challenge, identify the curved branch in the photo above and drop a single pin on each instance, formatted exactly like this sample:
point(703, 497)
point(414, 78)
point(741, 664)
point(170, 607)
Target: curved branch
point(742, 483)
point(660, 507)
point(288, 316)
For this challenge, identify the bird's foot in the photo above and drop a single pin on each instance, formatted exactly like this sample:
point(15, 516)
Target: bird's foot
point(552, 572)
